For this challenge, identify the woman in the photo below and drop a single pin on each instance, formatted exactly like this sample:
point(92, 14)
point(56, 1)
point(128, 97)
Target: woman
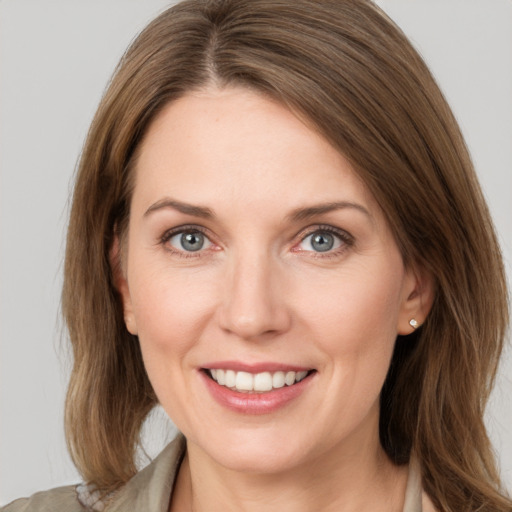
point(292, 255)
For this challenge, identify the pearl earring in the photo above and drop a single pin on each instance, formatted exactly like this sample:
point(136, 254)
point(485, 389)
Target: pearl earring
point(414, 323)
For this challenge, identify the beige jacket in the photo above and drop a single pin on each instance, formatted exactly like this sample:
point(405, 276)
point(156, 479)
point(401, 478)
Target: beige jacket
point(150, 490)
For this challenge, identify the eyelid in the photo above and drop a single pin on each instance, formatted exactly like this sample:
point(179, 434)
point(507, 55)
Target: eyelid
point(182, 229)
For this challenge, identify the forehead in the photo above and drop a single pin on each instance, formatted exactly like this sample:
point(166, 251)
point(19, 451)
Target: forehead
point(235, 145)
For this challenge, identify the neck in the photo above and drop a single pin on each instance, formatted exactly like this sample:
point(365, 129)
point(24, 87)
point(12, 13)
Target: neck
point(341, 480)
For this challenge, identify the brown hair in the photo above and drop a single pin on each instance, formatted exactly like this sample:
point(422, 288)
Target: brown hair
point(350, 72)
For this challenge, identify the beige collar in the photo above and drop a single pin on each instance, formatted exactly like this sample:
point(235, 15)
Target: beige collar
point(416, 500)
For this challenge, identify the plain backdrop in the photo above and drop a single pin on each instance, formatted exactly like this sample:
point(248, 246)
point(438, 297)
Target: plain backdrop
point(56, 57)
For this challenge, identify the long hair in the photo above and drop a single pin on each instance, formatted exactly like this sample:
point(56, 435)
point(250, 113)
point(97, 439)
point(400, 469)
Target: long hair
point(347, 70)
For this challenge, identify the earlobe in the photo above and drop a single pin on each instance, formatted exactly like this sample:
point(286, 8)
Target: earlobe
point(418, 297)
point(121, 285)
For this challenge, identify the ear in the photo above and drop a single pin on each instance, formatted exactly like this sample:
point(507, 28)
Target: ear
point(121, 285)
point(417, 298)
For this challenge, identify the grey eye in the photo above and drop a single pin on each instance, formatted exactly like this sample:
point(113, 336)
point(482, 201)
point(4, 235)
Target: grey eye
point(320, 241)
point(191, 241)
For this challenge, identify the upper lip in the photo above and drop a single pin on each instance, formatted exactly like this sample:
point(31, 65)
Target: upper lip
point(269, 366)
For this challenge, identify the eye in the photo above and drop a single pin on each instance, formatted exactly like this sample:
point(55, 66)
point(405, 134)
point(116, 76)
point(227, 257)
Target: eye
point(189, 241)
point(322, 240)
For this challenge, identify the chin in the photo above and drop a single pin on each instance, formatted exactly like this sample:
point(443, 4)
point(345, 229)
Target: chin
point(256, 451)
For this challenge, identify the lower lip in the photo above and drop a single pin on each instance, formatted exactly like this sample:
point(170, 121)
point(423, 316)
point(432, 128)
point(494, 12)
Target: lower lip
point(255, 403)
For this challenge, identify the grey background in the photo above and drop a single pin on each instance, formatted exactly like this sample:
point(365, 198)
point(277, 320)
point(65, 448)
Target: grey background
point(55, 60)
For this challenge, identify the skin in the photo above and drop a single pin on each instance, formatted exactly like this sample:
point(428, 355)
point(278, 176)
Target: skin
point(259, 291)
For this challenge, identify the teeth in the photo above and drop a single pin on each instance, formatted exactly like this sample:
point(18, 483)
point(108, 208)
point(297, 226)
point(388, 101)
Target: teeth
point(289, 378)
point(278, 380)
point(244, 381)
point(230, 378)
point(263, 382)
point(260, 382)
point(300, 375)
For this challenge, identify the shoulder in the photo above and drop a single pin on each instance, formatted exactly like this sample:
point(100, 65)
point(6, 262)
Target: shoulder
point(54, 500)
point(150, 489)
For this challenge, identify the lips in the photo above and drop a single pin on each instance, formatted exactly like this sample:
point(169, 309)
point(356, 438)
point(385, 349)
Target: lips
point(255, 389)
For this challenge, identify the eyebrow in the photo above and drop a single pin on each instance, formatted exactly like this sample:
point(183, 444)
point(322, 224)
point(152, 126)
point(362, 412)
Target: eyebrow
point(297, 215)
point(301, 214)
point(187, 209)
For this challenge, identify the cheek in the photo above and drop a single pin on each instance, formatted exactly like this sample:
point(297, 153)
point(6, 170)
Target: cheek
point(170, 309)
point(353, 323)
point(170, 316)
point(354, 310)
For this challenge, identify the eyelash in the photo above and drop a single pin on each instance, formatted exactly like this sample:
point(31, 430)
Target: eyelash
point(346, 239)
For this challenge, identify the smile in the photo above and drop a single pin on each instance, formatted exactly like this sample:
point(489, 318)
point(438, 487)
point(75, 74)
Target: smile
point(262, 388)
point(246, 382)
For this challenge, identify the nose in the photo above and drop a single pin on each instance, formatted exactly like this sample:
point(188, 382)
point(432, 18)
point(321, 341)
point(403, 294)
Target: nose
point(254, 303)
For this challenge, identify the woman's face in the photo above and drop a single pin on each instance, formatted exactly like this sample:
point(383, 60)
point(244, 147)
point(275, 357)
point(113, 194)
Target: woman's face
point(263, 282)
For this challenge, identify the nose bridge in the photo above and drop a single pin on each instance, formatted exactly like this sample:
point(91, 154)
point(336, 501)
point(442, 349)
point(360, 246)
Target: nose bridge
point(253, 302)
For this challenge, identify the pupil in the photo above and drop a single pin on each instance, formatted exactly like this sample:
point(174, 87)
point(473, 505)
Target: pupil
point(322, 242)
point(192, 241)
